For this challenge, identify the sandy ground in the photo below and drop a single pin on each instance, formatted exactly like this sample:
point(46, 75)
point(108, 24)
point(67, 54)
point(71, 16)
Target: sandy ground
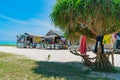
point(42, 55)
point(56, 56)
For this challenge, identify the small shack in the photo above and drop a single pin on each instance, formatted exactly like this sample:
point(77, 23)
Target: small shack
point(55, 40)
point(52, 40)
point(28, 41)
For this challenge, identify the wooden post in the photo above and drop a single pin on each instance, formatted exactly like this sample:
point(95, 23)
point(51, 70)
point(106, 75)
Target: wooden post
point(112, 58)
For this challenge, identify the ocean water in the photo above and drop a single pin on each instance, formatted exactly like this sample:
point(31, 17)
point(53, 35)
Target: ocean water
point(7, 43)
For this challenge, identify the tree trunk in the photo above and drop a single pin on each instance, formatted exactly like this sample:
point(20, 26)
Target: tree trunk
point(102, 62)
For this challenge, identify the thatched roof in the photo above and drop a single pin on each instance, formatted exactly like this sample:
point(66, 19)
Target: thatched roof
point(53, 32)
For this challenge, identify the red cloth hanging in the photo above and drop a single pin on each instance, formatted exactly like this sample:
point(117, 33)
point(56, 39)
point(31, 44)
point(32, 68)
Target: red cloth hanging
point(83, 45)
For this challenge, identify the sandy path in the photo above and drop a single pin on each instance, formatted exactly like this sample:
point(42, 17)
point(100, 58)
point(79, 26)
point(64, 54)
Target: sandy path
point(42, 55)
point(56, 55)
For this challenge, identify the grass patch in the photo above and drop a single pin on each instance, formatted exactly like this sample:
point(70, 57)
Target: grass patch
point(13, 67)
point(7, 44)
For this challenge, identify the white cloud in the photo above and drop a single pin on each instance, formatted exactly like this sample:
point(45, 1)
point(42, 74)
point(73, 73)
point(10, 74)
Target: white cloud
point(12, 19)
point(31, 21)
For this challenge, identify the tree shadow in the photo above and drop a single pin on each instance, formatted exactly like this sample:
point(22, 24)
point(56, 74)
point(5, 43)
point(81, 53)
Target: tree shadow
point(66, 70)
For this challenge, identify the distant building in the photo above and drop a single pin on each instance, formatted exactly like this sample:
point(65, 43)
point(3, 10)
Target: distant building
point(53, 32)
point(56, 38)
point(52, 40)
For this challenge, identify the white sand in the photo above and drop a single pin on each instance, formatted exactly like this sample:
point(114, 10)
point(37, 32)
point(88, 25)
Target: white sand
point(42, 55)
point(56, 55)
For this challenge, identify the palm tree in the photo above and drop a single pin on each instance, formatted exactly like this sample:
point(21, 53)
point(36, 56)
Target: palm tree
point(90, 17)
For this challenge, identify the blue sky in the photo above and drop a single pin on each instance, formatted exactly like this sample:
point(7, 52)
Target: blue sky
point(20, 16)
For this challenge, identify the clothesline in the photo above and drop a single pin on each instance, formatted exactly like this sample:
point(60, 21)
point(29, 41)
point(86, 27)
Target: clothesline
point(109, 41)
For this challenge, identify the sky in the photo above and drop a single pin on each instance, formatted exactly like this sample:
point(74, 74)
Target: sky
point(25, 16)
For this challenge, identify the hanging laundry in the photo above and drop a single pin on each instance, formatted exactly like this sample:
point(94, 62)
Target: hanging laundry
point(118, 41)
point(118, 36)
point(108, 46)
point(107, 39)
point(83, 45)
point(118, 44)
point(99, 41)
point(37, 39)
point(114, 40)
point(114, 37)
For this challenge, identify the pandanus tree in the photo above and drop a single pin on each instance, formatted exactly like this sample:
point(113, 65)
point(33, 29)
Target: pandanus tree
point(90, 17)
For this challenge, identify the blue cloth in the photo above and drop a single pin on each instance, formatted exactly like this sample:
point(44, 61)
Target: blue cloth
point(100, 40)
point(118, 44)
point(118, 34)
